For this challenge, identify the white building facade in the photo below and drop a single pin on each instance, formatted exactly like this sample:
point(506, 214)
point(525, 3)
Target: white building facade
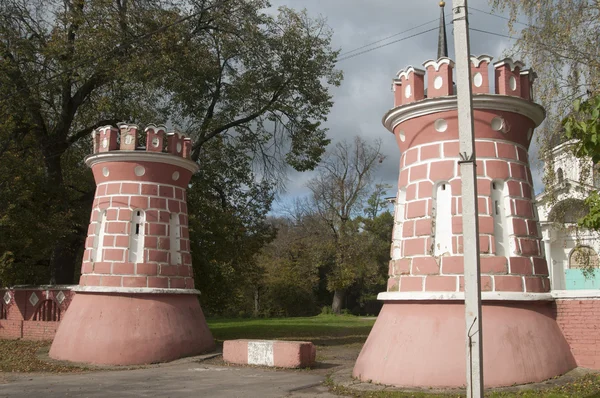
point(568, 248)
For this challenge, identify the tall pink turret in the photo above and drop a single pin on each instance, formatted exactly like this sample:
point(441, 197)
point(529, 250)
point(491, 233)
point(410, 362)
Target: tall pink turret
point(136, 301)
point(419, 337)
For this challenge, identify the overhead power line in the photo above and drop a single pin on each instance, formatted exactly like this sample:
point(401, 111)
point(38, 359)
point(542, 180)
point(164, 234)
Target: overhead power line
point(500, 16)
point(345, 53)
point(492, 33)
point(386, 44)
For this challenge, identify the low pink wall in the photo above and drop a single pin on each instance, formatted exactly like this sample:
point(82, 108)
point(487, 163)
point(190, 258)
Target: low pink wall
point(17, 316)
point(579, 320)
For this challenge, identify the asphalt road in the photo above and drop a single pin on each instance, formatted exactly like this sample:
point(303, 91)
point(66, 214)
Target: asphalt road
point(182, 380)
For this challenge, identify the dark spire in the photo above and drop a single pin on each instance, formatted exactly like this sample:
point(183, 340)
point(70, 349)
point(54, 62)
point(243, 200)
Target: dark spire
point(442, 41)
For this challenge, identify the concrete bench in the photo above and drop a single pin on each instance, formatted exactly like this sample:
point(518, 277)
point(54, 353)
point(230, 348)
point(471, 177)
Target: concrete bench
point(281, 354)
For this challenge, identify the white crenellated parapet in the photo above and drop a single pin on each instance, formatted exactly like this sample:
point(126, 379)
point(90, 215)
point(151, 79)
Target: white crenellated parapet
point(411, 84)
point(480, 74)
point(508, 76)
point(126, 136)
point(129, 136)
point(439, 77)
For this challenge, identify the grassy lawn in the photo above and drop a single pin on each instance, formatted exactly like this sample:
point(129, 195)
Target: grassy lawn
point(321, 329)
point(334, 334)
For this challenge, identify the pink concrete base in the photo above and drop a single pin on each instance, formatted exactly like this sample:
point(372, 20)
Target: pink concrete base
point(131, 329)
point(422, 344)
point(281, 354)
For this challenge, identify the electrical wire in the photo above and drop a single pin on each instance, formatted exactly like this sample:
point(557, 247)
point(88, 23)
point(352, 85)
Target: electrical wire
point(386, 44)
point(492, 33)
point(345, 53)
point(500, 16)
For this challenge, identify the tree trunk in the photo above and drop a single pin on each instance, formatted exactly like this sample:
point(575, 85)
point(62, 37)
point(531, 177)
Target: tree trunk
point(338, 301)
point(256, 302)
point(64, 257)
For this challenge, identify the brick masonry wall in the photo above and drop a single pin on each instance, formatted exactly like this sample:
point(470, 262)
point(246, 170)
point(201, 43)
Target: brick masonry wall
point(579, 320)
point(20, 312)
point(157, 269)
point(414, 268)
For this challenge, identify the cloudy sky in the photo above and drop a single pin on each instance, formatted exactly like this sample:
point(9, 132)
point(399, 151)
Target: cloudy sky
point(365, 94)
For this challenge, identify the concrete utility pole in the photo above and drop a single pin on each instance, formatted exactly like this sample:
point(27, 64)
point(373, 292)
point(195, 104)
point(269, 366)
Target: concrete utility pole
point(469, 201)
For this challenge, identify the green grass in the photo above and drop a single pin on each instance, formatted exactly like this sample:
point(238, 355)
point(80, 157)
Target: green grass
point(587, 386)
point(321, 329)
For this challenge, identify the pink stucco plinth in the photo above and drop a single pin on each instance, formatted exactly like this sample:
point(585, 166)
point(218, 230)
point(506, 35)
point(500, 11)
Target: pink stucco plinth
point(281, 354)
point(131, 329)
point(422, 344)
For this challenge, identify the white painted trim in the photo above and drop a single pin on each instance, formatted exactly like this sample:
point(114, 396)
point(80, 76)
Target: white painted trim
point(436, 64)
point(511, 64)
point(136, 290)
point(460, 296)
point(576, 294)
point(41, 287)
point(476, 61)
point(405, 72)
point(141, 156)
point(497, 102)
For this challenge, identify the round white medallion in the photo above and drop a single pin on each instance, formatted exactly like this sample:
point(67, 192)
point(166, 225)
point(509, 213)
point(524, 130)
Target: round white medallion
point(139, 171)
point(437, 82)
point(478, 79)
point(402, 136)
point(105, 171)
point(175, 176)
point(128, 139)
point(104, 142)
point(441, 125)
point(407, 91)
point(513, 83)
point(497, 123)
point(179, 147)
point(155, 142)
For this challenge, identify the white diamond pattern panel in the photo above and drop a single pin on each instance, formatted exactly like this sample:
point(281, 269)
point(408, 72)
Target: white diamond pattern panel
point(33, 299)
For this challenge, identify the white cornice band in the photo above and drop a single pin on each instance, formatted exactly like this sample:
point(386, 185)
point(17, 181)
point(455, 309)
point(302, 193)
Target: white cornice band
point(141, 156)
point(133, 290)
point(495, 102)
point(460, 296)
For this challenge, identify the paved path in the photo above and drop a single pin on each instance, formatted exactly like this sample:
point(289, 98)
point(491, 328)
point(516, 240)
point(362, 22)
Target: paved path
point(181, 380)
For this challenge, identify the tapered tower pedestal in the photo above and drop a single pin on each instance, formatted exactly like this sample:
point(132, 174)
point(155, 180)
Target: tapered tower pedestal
point(419, 339)
point(136, 302)
point(130, 329)
point(422, 344)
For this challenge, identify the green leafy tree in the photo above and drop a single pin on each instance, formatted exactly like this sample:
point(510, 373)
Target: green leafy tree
point(212, 68)
point(338, 195)
point(559, 41)
point(583, 126)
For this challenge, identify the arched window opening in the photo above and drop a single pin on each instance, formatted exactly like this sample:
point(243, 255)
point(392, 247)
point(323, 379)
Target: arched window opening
point(175, 235)
point(500, 220)
point(3, 311)
point(136, 239)
point(443, 219)
point(48, 311)
point(398, 224)
point(99, 237)
point(583, 257)
point(560, 175)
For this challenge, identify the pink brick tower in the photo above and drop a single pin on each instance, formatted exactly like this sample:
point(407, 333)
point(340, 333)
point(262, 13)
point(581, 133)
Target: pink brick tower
point(419, 336)
point(136, 301)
